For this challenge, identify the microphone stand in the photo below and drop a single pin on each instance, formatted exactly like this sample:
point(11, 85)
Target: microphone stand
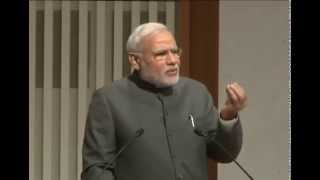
point(109, 164)
point(111, 161)
point(206, 135)
point(225, 151)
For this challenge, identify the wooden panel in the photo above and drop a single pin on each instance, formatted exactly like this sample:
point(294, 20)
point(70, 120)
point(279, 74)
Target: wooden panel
point(65, 163)
point(48, 94)
point(204, 52)
point(82, 81)
point(183, 38)
point(204, 38)
point(199, 38)
point(118, 38)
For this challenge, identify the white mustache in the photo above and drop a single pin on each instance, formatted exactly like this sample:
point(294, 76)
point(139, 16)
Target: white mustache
point(176, 68)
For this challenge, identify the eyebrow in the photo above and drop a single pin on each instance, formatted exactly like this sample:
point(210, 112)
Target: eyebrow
point(160, 50)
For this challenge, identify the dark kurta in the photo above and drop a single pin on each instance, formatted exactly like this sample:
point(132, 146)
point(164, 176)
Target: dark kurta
point(168, 149)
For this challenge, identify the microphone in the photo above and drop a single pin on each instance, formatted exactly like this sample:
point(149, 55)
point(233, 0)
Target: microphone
point(207, 134)
point(108, 165)
point(138, 133)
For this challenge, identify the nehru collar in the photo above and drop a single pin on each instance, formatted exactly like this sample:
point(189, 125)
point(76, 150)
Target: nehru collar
point(135, 77)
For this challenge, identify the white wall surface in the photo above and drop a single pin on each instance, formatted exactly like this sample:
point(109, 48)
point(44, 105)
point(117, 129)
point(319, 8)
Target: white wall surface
point(254, 52)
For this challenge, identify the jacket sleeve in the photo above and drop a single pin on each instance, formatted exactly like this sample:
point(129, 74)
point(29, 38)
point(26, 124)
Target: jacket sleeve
point(230, 138)
point(223, 139)
point(99, 140)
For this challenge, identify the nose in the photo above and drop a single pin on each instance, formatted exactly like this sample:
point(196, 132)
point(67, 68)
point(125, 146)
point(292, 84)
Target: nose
point(172, 58)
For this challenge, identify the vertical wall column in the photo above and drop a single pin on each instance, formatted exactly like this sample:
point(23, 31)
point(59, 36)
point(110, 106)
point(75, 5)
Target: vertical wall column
point(32, 89)
point(153, 11)
point(170, 16)
point(65, 91)
point(82, 81)
point(48, 92)
point(118, 38)
point(135, 14)
point(101, 43)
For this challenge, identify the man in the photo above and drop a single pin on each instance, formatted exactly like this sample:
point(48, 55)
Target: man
point(168, 108)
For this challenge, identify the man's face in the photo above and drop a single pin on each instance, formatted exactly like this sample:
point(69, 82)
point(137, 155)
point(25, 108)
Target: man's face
point(160, 61)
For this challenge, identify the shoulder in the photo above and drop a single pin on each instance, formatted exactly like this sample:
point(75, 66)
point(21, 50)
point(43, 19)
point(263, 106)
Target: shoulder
point(189, 84)
point(193, 89)
point(196, 94)
point(113, 89)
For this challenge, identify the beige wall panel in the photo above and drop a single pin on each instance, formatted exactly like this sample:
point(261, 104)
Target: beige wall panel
point(65, 163)
point(109, 43)
point(118, 38)
point(253, 50)
point(135, 14)
point(48, 85)
point(153, 11)
point(58, 111)
point(170, 16)
point(82, 81)
point(38, 139)
point(101, 43)
point(32, 88)
point(73, 134)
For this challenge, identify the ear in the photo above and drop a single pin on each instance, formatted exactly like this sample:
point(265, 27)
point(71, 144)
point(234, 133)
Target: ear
point(133, 60)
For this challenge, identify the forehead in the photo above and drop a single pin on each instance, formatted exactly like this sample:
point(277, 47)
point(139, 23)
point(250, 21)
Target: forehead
point(161, 39)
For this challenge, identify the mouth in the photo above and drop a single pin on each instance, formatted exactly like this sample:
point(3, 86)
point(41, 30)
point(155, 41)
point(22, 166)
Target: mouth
point(172, 72)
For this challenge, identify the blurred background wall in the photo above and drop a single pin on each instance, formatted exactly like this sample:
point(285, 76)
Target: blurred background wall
point(253, 50)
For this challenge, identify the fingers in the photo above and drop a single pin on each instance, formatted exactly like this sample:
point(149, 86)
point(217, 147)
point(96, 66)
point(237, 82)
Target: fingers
point(238, 91)
point(236, 95)
point(231, 95)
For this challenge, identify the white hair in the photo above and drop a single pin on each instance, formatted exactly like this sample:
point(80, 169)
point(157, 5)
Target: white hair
point(134, 40)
